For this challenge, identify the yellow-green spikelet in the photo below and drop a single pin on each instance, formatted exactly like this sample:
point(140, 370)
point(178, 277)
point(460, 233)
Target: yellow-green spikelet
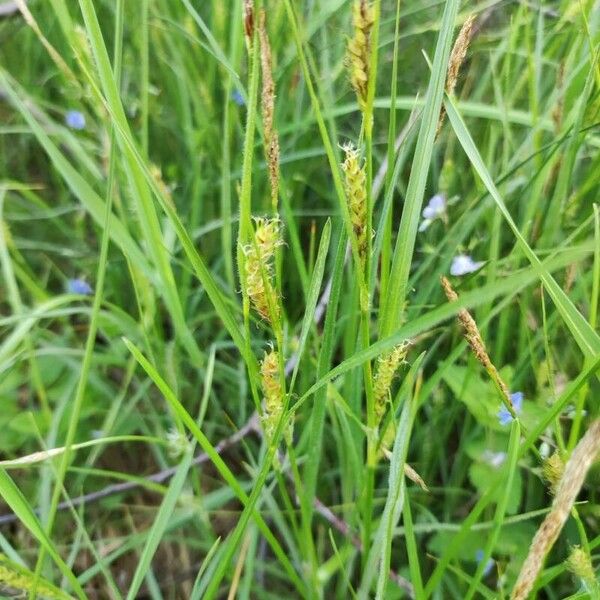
point(359, 49)
point(258, 267)
point(356, 194)
point(273, 392)
point(15, 577)
point(387, 365)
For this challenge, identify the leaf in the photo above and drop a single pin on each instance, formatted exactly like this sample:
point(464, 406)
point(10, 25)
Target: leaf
point(160, 524)
point(19, 505)
point(586, 338)
point(393, 300)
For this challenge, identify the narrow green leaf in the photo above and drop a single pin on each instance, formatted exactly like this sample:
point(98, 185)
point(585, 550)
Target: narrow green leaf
point(313, 297)
point(492, 538)
point(380, 552)
point(19, 505)
point(160, 524)
point(248, 502)
point(393, 301)
point(586, 338)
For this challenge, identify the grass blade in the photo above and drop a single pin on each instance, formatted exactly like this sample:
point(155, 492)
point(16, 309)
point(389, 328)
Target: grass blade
point(393, 300)
point(586, 338)
point(19, 505)
point(160, 524)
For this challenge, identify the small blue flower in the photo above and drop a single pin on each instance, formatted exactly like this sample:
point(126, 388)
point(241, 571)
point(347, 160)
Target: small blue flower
point(494, 459)
point(488, 565)
point(75, 119)
point(80, 287)
point(463, 264)
point(237, 97)
point(436, 207)
point(504, 416)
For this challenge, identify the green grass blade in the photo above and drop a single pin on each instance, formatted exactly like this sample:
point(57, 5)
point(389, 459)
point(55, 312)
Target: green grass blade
point(393, 301)
point(500, 514)
point(248, 502)
point(159, 525)
point(19, 505)
point(313, 297)
point(317, 420)
point(380, 553)
point(141, 194)
point(586, 338)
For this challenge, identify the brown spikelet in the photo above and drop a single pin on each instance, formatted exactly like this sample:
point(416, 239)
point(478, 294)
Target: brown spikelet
point(576, 469)
point(356, 195)
point(359, 49)
point(249, 20)
point(457, 57)
point(558, 110)
point(475, 341)
point(268, 110)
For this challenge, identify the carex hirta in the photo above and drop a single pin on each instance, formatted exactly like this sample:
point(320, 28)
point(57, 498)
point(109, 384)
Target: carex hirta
point(359, 49)
point(258, 267)
point(356, 195)
point(387, 366)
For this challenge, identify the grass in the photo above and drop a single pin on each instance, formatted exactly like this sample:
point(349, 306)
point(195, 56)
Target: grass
point(157, 364)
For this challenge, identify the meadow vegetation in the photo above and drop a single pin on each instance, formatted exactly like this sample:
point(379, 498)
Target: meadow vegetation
point(299, 299)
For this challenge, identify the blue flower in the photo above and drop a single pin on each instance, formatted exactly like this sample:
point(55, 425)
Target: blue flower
point(237, 97)
point(494, 459)
point(488, 565)
point(504, 416)
point(463, 264)
point(80, 287)
point(75, 119)
point(436, 207)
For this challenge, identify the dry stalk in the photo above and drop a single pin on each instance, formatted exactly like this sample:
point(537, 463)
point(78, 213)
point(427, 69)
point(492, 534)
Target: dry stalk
point(576, 469)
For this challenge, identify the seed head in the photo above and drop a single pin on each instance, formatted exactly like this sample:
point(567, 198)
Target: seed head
point(19, 579)
point(258, 267)
point(459, 51)
point(579, 564)
point(457, 57)
point(356, 194)
point(273, 392)
point(475, 341)
point(387, 365)
point(576, 468)
point(552, 470)
point(249, 21)
point(268, 110)
point(359, 49)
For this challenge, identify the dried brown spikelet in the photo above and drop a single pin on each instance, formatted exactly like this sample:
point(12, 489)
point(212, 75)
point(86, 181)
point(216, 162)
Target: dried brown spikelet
point(356, 195)
point(576, 469)
point(457, 57)
point(249, 20)
point(459, 51)
point(552, 470)
point(475, 341)
point(387, 365)
point(258, 267)
point(268, 110)
point(359, 49)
